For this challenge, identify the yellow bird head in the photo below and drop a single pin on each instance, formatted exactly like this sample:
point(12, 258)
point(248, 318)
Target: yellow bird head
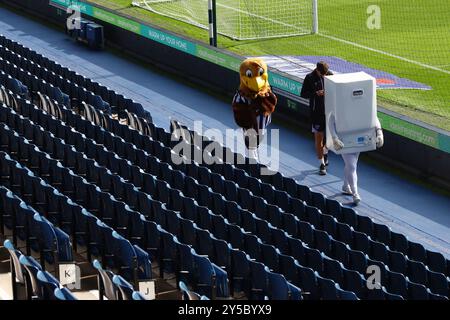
point(254, 77)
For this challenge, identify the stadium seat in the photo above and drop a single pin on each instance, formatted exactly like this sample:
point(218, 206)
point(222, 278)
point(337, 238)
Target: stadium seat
point(417, 291)
point(17, 274)
point(398, 284)
point(240, 271)
point(125, 288)
point(346, 295)
point(328, 288)
point(417, 272)
point(106, 287)
point(32, 268)
point(260, 280)
point(47, 283)
point(438, 283)
point(187, 294)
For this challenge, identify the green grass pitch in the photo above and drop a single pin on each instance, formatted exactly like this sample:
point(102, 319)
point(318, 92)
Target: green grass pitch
point(413, 42)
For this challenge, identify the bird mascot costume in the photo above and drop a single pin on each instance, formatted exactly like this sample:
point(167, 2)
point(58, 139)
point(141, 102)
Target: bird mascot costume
point(253, 103)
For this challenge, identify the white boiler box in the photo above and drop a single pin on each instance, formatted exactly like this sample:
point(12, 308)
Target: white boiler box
point(351, 97)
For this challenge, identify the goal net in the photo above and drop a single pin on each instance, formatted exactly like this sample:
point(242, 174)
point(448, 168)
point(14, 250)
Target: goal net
point(241, 19)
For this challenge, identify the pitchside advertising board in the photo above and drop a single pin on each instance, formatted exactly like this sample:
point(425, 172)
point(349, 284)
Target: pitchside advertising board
point(390, 122)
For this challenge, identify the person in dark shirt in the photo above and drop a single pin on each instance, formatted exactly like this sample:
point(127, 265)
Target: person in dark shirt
point(313, 89)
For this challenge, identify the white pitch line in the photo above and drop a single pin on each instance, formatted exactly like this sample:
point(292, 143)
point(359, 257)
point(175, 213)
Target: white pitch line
point(385, 53)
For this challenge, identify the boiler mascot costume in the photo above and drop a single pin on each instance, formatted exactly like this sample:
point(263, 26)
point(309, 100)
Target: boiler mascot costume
point(253, 103)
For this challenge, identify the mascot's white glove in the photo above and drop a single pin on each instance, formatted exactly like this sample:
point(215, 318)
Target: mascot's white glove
point(338, 144)
point(380, 138)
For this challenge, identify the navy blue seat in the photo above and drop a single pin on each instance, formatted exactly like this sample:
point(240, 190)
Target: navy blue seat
point(261, 207)
point(417, 252)
point(188, 231)
point(329, 224)
point(309, 284)
point(280, 289)
point(438, 283)
point(252, 245)
point(270, 256)
point(318, 200)
point(417, 291)
point(283, 200)
point(204, 218)
point(245, 198)
point(168, 254)
point(204, 242)
point(417, 272)
point(54, 244)
point(280, 240)
point(382, 233)
point(185, 263)
point(236, 236)
point(349, 216)
point(248, 221)
point(267, 192)
point(31, 267)
point(355, 282)
point(222, 253)
point(188, 294)
point(344, 233)
point(314, 259)
point(365, 225)
point(211, 280)
point(358, 261)
point(275, 215)
point(190, 208)
point(17, 274)
point(298, 208)
point(397, 261)
point(306, 232)
point(297, 249)
point(220, 226)
point(322, 241)
point(340, 251)
point(333, 269)
point(313, 215)
point(47, 283)
point(398, 284)
point(106, 287)
point(63, 294)
point(304, 193)
point(328, 288)
point(379, 251)
point(290, 185)
point(436, 262)
point(233, 210)
point(290, 223)
point(288, 267)
point(346, 295)
point(264, 230)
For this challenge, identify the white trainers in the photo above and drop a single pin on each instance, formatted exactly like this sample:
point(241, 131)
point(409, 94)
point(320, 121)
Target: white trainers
point(356, 198)
point(347, 190)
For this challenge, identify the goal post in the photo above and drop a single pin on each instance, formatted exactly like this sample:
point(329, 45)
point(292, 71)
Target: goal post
point(243, 19)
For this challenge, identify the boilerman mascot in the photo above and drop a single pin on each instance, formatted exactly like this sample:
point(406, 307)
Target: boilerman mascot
point(253, 103)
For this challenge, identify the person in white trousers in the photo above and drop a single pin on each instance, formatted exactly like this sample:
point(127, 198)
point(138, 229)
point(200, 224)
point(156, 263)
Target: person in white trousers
point(350, 186)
